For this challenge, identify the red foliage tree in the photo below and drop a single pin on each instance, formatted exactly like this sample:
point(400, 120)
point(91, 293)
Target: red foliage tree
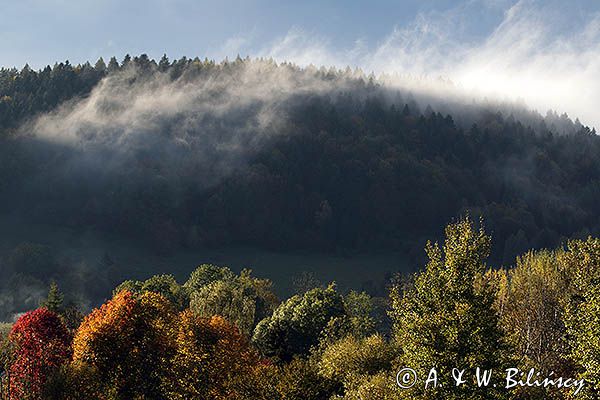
point(42, 344)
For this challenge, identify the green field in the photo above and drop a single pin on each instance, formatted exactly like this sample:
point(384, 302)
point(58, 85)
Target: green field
point(135, 262)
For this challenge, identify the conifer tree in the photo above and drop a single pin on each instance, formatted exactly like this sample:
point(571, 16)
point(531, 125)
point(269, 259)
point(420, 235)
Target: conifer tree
point(100, 65)
point(54, 301)
point(113, 65)
point(164, 63)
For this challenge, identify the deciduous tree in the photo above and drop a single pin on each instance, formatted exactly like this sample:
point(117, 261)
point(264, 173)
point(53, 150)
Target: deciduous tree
point(129, 341)
point(297, 324)
point(446, 320)
point(41, 345)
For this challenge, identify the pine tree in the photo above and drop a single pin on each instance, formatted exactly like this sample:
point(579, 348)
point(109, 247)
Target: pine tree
point(164, 63)
point(126, 61)
point(113, 65)
point(54, 301)
point(100, 65)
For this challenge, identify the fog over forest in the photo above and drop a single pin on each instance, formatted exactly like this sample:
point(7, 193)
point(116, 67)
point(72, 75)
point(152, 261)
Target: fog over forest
point(190, 156)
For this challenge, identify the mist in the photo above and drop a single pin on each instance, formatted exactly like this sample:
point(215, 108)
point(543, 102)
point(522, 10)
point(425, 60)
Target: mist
point(205, 124)
point(541, 53)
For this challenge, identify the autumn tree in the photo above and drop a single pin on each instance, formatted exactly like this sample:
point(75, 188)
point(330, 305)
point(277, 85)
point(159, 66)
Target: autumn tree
point(41, 345)
point(361, 310)
point(533, 313)
point(300, 380)
point(446, 319)
point(582, 318)
point(355, 362)
point(129, 341)
point(210, 354)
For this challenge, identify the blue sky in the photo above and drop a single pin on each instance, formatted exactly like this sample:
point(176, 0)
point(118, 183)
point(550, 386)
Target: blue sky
point(545, 52)
point(41, 32)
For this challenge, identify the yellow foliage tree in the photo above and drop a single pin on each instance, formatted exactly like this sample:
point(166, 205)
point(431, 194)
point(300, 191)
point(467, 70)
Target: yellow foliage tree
point(211, 354)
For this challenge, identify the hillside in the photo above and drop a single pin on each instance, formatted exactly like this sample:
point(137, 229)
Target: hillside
point(186, 155)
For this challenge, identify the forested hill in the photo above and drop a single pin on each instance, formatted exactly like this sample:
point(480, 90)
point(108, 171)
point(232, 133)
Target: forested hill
point(190, 153)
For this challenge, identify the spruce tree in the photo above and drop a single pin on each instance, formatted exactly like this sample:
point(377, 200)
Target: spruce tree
point(100, 65)
point(164, 63)
point(54, 301)
point(113, 65)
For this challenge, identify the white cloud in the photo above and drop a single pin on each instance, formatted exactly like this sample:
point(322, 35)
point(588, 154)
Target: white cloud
point(525, 57)
point(302, 48)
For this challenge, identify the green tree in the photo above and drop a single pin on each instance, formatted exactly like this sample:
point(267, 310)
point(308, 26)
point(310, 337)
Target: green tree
point(446, 319)
point(297, 324)
point(165, 285)
point(242, 300)
point(54, 300)
point(100, 66)
point(113, 65)
point(533, 312)
point(582, 318)
point(300, 380)
point(205, 274)
point(164, 63)
point(360, 307)
point(126, 61)
point(353, 362)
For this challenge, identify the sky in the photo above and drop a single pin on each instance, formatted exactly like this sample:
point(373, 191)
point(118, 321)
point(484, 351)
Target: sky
point(40, 32)
point(546, 53)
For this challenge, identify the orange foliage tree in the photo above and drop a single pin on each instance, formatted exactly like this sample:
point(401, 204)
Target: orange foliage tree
point(42, 344)
point(139, 347)
point(211, 355)
point(129, 342)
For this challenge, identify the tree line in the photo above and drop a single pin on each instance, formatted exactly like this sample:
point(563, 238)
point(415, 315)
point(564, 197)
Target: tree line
point(221, 335)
